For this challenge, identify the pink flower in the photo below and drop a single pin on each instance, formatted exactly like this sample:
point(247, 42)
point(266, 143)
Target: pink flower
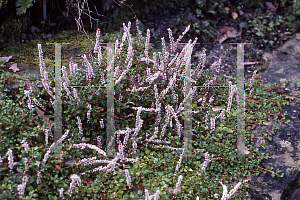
point(120, 98)
point(101, 123)
point(10, 159)
point(171, 40)
point(212, 124)
point(222, 114)
point(28, 85)
point(91, 56)
point(71, 66)
point(102, 79)
point(147, 46)
point(211, 99)
point(75, 179)
point(25, 145)
point(99, 142)
point(128, 178)
point(97, 41)
point(132, 80)
point(89, 68)
point(99, 56)
point(121, 151)
point(61, 193)
point(131, 114)
point(38, 181)
point(21, 189)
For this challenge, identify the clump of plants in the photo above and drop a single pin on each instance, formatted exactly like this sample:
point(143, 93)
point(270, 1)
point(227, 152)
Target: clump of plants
point(150, 157)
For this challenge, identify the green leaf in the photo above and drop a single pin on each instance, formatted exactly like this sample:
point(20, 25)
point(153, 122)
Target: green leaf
point(205, 23)
point(199, 12)
point(291, 18)
point(211, 11)
point(140, 192)
point(22, 6)
point(273, 175)
point(261, 34)
point(243, 25)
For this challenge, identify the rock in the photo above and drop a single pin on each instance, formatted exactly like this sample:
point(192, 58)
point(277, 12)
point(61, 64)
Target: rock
point(292, 191)
point(257, 196)
point(296, 195)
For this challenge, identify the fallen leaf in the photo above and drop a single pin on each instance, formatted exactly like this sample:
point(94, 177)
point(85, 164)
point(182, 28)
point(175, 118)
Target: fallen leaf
point(6, 58)
point(137, 187)
point(227, 8)
point(224, 29)
point(216, 108)
point(23, 144)
point(246, 151)
point(284, 38)
point(251, 63)
point(171, 190)
point(88, 181)
point(234, 15)
point(225, 37)
point(49, 35)
point(288, 97)
point(233, 34)
point(51, 24)
point(267, 122)
point(285, 143)
point(286, 52)
point(241, 12)
point(199, 98)
point(34, 29)
point(214, 66)
point(58, 167)
point(282, 26)
point(41, 114)
point(231, 131)
point(14, 67)
point(22, 174)
point(266, 56)
point(271, 7)
point(191, 16)
point(71, 161)
point(256, 101)
point(198, 54)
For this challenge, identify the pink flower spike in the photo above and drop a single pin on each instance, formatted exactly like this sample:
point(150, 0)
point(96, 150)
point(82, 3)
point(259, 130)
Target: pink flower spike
point(97, 41)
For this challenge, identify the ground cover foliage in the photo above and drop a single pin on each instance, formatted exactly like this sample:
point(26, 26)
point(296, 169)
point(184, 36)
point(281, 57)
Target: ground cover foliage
point(142, 168)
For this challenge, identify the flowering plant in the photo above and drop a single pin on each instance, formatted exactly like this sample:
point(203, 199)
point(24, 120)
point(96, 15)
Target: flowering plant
point(152, 139)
